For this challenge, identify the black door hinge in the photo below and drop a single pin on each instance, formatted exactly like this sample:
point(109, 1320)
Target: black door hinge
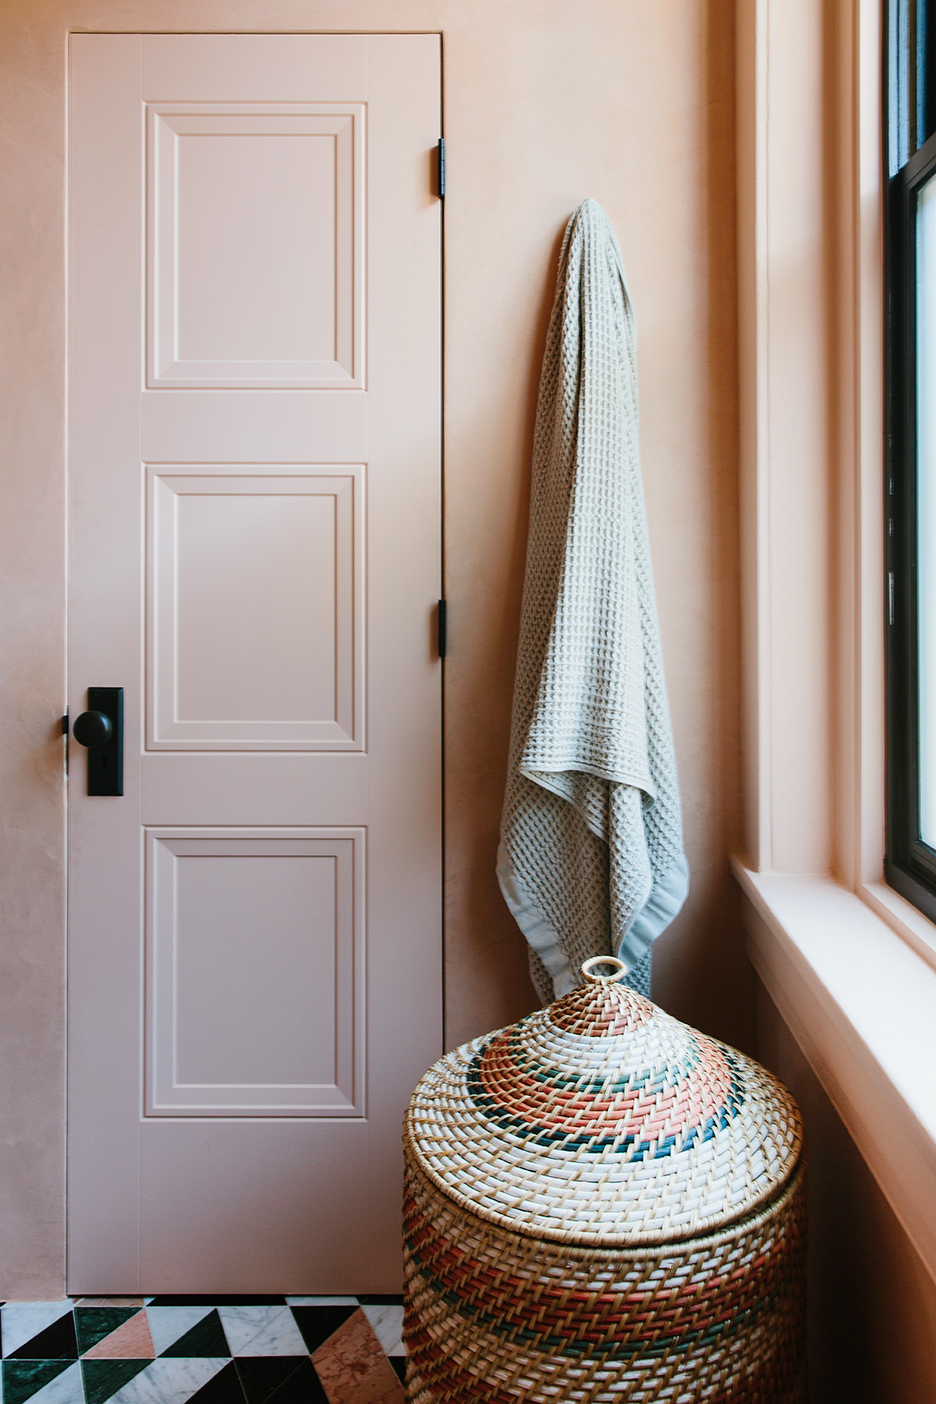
point(441, 638)
point(441, 168)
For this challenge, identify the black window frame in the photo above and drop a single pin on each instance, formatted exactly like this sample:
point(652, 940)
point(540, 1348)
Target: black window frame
point(910, 100)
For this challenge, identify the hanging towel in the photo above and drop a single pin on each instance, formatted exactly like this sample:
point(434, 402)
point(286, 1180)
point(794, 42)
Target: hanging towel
point(591, 858)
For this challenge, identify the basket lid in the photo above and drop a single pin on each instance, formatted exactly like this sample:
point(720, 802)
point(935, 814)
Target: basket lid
point(602, 1119)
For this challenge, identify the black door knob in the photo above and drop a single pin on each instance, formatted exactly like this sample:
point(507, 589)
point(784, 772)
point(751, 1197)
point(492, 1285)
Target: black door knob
point(93, 729)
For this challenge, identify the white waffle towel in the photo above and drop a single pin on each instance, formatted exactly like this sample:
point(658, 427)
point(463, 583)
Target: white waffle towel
point(591, 859)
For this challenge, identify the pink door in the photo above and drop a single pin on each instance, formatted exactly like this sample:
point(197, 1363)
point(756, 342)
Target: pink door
point(254, 458)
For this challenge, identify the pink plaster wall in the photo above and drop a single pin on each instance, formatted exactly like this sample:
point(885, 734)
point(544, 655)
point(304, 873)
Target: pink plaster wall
point(546, 101)
point(632, 104)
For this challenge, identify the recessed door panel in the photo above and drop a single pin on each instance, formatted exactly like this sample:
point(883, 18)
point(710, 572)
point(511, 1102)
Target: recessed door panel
point(255, 954)
point(255, 246)
point(255, 610)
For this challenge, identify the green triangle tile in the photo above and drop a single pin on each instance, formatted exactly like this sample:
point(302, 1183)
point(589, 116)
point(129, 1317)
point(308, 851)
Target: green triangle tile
point(94, 1323)
point(206, 1339)
point(102, 1378)
point(22, 1378)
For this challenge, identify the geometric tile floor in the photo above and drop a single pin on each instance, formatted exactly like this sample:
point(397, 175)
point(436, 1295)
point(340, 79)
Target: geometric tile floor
point(203, 1350)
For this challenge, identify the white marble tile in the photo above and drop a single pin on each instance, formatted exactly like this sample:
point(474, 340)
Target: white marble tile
point(322, 1301)
point(170, 1381)
point(280, 1336)
point(20, 1321)
point(169, 1323)
point(242, 1323)
point(66, 1388)
point(387, 1325)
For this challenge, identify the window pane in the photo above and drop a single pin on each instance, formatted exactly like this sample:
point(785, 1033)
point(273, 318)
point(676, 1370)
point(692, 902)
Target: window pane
point(926, 501)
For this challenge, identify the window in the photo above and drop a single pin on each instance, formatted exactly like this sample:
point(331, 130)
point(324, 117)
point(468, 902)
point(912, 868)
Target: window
point(911, 436)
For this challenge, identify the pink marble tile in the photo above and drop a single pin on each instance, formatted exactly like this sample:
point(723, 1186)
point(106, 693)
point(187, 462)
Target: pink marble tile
point(353, 1368)
point(131, 1341)
point(381, 1387)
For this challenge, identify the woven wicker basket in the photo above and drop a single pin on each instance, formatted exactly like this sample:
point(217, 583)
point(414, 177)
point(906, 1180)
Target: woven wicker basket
point(603, 1205)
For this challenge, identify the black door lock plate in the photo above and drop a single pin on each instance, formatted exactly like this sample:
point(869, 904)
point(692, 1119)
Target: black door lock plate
point(100, 728)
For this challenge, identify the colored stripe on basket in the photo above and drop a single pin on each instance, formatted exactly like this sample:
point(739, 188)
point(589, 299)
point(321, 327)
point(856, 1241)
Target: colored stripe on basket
point(589, 1126)
point(626, 1325)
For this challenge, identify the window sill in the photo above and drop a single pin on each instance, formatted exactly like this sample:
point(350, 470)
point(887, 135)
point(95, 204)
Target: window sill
point(916, 929)
point(861, 1003)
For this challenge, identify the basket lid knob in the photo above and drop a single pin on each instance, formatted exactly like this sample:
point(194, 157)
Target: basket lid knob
point(618, 969)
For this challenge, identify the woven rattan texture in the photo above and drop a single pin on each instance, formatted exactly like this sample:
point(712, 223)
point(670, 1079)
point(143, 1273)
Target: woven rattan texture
point(496, 1316)
point(604, 1120)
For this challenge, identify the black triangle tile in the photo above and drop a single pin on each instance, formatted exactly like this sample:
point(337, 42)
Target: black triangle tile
point(205, 1339)
point(223, 1388)
point(102, 1378)
point(263, 1375)
point(22, 1378)
point(302, 1387)
point(94, 1323)
point(399, 1364)
point(375, 1299)
point(317, 1323)
point(56, 1342)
